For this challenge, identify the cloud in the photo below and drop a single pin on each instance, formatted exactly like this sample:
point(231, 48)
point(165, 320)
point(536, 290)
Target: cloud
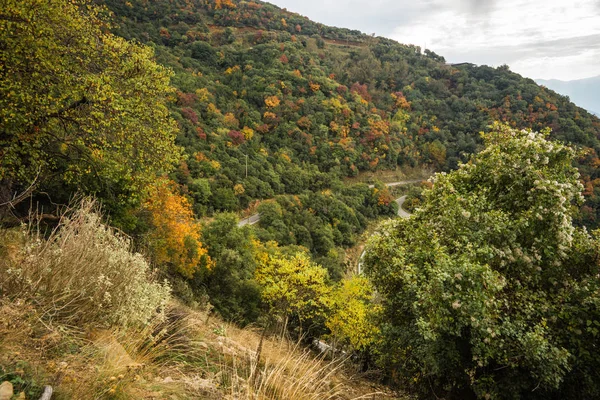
point(564, 47)
point(564, 68)
point(478, 7)
point(508, 34)
point(380, 16)
point(559, 48)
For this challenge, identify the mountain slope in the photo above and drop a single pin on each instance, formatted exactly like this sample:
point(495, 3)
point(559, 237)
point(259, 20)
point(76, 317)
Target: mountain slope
point(583, 92)
point(305, 104)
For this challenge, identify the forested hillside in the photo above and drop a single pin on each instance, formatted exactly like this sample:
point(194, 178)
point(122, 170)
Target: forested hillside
point(135, 135)
point(308, 104)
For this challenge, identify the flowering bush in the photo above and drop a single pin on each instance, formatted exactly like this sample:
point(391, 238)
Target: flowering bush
point(489, 289)
point(85, 272)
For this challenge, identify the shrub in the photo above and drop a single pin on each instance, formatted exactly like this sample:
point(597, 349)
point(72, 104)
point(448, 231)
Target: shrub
point(489, 290)
point(83, 273)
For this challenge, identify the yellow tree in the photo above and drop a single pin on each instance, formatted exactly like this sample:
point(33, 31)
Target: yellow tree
point(351, 320)
point(272, 101)
point(293, 285)
point(175, 238)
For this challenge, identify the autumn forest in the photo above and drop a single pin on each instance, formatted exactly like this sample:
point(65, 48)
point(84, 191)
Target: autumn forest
point(137, 136)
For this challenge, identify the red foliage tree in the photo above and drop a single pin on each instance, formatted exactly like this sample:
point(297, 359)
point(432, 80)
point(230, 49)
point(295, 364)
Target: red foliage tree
point(190, 114)
point(236, 137)
point(186, 99)
point(362, 90)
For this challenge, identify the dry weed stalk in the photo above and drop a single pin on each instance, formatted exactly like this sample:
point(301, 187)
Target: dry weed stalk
point(84, 272)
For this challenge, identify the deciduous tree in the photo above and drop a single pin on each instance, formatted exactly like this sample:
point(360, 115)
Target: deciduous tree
point(489, 289)
point(175, 238)
point(77, 103)
point(352, 317)
point(293, 285)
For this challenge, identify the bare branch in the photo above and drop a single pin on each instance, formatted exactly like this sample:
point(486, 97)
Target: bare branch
point(19, 198)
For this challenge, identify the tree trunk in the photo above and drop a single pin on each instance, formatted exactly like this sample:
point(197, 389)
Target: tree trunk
point(284, 327)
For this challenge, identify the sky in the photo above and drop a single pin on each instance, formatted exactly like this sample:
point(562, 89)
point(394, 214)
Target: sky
point(551, 39)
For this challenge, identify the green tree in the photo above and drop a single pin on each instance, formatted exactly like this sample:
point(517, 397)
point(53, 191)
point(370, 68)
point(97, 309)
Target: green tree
point(77, 104)
point(230, 283)
point(489, 289)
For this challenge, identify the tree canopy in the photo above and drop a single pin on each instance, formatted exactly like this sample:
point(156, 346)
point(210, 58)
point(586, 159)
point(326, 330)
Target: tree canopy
point(293, 286)
point(489, 289)
point(79, 105)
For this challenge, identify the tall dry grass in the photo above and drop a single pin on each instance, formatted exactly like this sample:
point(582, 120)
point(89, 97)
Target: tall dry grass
point(88, 317)
point(84, 272)
point(298, 375)
point(285, 370)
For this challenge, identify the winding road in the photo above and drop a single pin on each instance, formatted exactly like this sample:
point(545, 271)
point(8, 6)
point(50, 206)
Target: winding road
point(253, 219)
point(401, 213)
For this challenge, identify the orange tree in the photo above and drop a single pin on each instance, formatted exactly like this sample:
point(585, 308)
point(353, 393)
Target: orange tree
point(175, 237)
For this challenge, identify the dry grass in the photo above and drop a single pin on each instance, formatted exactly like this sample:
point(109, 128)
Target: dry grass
point(181, 358)
point(84, 272)
point(53, 331)
point(285, 371)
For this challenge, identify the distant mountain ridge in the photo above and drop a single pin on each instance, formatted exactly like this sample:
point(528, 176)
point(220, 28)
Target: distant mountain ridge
point(583, 92)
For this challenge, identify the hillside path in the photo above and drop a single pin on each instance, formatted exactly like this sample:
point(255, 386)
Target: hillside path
point(401, 213)
point(253, 219)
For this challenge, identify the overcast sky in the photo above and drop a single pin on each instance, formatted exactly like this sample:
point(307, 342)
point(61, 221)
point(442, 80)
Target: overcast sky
point(550, 39)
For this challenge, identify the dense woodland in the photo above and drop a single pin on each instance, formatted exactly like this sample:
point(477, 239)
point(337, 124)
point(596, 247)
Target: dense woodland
point(254, 80)
point(180, 117)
